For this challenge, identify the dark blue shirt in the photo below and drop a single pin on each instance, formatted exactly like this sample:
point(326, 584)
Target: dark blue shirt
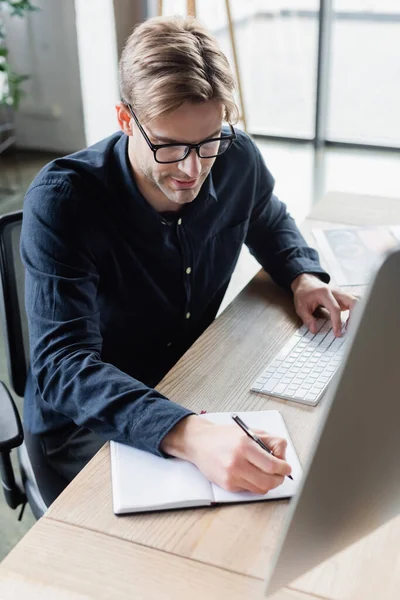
point(116, 292)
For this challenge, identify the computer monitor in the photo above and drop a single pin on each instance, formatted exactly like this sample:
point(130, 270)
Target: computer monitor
point(351, 483)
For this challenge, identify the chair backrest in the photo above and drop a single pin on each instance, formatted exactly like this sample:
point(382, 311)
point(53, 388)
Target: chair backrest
point(12, 301)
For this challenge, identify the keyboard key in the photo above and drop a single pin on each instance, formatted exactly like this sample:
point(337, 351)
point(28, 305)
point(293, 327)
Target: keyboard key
point(317, 387)
point(309, 336)
point(287, 348)
point(322, 323)
point(337, 342)
point(293, 386)
point(257, 386)
point(275, 364)
point(280, 388)
point(269, 386)
point(302, 331)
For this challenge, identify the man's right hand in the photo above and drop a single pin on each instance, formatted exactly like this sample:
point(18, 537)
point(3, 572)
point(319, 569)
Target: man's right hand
point(227, 456)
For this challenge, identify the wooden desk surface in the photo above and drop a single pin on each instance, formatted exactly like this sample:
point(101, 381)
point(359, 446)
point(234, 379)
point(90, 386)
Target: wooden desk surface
point(56, 561)
point(214, 375)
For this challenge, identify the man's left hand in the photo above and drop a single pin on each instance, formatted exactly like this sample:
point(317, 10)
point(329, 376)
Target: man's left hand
point(310, 293)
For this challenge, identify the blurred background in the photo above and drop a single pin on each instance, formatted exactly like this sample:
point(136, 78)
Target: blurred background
point(321, 95)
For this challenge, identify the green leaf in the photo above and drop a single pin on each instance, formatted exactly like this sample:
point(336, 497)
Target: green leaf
point(13, 81)
point(18, 8)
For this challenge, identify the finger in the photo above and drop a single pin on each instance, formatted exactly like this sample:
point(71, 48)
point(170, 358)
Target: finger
point(345, 301)
point(268, 463)
point(307, 317)
point(270, 482)
point(312, 324)
point(278, 445)
point(257, 481)
point(331, 304)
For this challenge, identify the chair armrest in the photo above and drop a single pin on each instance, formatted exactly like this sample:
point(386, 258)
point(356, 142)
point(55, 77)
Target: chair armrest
point(11, 432)
point(11, 436)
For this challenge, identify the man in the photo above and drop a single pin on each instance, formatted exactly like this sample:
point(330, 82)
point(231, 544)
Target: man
point(129, 246)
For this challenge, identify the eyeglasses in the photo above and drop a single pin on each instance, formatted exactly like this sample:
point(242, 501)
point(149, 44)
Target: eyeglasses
point(170, 153)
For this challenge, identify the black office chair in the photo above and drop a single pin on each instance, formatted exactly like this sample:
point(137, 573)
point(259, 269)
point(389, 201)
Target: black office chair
point(40, 483)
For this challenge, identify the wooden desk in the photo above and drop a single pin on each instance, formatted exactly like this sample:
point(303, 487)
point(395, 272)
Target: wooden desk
point(82, 550)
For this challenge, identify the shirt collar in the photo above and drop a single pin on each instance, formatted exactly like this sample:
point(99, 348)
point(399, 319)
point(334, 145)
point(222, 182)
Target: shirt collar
point(211, 190)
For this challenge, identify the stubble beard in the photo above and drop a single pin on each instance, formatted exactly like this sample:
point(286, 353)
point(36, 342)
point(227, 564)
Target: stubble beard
point(175, 196)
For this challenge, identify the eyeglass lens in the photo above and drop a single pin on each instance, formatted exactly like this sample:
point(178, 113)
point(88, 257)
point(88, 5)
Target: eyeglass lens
point(206, 150)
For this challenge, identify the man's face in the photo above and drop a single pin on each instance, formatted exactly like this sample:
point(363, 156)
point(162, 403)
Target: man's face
point(179, 182)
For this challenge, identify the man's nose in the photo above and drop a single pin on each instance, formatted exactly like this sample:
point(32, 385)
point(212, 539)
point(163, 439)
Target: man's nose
point(191, 165)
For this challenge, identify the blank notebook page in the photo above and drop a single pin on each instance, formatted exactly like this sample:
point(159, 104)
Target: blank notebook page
point(142, 481)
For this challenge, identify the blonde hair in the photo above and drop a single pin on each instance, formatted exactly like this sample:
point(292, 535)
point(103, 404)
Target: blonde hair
point(167, 61)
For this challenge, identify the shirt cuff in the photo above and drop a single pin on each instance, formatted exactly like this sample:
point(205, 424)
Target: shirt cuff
point(157, 419)
point(179, 417)
point(321, 274)
point(299, 266)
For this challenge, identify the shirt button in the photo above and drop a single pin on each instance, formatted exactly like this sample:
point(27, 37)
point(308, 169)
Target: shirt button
point(179, 221)
point(187, 315)
point(188, 271)
point(169, 344)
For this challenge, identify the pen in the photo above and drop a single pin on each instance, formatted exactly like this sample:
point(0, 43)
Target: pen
point(253, 436)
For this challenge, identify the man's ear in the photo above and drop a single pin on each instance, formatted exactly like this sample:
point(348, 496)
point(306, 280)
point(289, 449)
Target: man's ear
point(124, 118)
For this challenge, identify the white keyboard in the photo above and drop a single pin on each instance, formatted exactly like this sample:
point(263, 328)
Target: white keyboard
point(305, 365)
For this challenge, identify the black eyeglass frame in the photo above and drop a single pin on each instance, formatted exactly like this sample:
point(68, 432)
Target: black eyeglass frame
point(189, 147)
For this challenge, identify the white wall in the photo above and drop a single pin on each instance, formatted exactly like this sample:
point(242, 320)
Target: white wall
point(44, 45)
point(70, 50)
point(98, 62)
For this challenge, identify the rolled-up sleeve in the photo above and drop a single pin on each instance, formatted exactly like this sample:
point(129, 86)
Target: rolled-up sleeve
point(273, 237)
point(58, 250)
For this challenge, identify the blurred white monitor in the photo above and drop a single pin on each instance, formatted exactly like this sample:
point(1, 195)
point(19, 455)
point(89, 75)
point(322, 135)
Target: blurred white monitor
point(351, 483)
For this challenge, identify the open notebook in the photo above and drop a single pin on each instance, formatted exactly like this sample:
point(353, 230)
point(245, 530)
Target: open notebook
point(144, 482)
